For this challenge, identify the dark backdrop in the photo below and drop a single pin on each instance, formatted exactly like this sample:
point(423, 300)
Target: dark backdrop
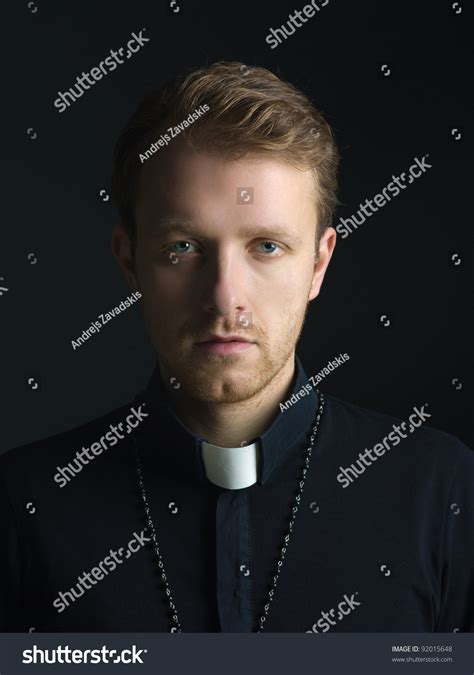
point(55, 259)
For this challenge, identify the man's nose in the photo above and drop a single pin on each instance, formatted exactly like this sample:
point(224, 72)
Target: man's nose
point(224, 283)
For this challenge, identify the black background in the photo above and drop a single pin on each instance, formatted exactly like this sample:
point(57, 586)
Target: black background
point(399, 263)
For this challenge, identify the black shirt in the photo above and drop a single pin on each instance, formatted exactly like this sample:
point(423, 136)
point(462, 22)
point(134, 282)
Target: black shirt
point(390, 547)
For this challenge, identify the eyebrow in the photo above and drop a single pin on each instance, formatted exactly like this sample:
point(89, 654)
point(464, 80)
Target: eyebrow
point(167, 225)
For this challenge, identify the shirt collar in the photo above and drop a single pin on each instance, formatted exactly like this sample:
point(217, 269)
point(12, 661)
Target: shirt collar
point(178, 451)
point(231, 468)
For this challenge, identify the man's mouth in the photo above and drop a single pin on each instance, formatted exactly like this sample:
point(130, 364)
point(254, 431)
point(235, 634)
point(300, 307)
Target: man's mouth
point(224, 338)
point(225, 344)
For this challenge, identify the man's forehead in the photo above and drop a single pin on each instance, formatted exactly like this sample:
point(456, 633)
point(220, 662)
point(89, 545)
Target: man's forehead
point(171, 163)
point(195, 180)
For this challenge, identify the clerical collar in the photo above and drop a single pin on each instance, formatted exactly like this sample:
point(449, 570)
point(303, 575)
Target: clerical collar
point(175, 450)
point(231, 468)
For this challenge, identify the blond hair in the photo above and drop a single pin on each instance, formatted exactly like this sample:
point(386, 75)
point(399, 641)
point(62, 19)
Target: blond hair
point(251, 111)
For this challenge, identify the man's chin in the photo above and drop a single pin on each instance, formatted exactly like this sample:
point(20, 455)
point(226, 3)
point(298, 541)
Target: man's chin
point(220, 389)
point(218, 379)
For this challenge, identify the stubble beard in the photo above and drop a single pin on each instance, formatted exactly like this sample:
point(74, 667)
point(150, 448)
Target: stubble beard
point(217, 379)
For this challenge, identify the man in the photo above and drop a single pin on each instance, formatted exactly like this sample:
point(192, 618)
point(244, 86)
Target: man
point(232, 496)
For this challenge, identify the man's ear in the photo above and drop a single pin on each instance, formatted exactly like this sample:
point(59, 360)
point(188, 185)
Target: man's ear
point(321, 262)
point(123, 254)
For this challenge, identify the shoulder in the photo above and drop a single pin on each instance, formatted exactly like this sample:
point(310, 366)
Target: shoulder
point(415, 440)
point(34, 457)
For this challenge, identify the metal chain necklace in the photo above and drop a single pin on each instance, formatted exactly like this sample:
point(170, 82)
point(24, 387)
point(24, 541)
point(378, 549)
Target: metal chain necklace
point(176, 626)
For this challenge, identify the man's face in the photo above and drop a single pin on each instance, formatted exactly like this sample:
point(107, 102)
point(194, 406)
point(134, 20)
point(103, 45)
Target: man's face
point(223, 247)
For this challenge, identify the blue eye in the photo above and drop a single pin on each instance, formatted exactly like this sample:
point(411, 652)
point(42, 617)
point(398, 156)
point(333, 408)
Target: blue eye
point(177, 243)
point(271, 244)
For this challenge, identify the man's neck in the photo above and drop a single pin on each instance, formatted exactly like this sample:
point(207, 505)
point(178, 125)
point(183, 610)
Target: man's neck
point(231, 425)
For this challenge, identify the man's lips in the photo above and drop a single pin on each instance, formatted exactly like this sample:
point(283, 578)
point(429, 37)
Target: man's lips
point(224, 339)
point(229, 344)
